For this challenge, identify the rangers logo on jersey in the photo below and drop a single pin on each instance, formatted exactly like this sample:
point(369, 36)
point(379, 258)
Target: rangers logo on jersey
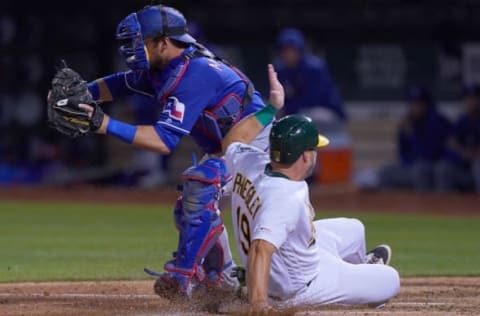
point(175, 109)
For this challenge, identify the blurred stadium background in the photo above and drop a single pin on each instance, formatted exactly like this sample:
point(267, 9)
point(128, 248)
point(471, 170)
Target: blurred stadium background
point(55, 223)
point(374, 50)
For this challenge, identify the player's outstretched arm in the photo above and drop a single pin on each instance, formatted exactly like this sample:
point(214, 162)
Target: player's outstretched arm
point(118, 85)
point(246, 130)
point(141, 136)
point(258, 272)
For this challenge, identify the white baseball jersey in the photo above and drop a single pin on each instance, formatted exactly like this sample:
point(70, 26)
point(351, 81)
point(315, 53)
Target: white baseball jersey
point(321, 262)
point(268, 206)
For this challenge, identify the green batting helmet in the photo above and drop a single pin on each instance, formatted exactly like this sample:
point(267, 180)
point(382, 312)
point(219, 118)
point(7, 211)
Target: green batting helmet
point(291, 136)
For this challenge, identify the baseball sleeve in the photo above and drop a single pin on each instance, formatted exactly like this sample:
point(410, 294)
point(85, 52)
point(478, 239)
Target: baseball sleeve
point(183, 103)
point(125, 83)
point(183, 106)
point(232, 154)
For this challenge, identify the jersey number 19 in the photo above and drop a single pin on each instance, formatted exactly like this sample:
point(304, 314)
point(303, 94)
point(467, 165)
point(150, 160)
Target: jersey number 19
point(244, 228)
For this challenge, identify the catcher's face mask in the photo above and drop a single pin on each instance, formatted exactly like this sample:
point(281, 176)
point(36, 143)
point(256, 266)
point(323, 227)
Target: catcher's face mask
point(133, 51)
point(150, 22)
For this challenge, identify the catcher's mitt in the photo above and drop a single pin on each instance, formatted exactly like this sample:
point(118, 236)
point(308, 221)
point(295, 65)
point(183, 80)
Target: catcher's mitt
point(68, 91)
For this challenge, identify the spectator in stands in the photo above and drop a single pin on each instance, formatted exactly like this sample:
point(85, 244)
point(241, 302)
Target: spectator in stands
point(461, 168)
point(421, 144)
point(305, 77)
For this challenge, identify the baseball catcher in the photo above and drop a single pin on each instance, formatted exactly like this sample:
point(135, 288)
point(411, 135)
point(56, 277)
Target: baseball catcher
point(198, 94)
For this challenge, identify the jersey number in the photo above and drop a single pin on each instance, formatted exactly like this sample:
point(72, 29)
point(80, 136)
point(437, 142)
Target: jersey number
point(244, 229)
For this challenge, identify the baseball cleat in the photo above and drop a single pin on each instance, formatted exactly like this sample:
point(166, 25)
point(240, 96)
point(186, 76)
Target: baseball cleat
point(382, 254)
point(171, 285)
point(165, 289)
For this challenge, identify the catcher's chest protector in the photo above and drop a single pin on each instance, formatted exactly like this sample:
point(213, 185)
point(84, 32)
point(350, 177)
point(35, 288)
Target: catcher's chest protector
point(217, 118)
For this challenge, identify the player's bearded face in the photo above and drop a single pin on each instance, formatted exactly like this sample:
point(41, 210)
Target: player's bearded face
point(155, 52)
point(158, 61)
point(312, 162)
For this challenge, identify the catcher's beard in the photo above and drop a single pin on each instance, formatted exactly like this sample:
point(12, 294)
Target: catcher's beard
point(157, 59)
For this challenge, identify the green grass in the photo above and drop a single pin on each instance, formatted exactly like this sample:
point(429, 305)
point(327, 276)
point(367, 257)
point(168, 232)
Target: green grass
point(67, 241)
point(40, 241)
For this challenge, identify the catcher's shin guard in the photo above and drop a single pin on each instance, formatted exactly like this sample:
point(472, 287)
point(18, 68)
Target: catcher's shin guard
point(218, 266)
point(199, 223)
point(177, 214)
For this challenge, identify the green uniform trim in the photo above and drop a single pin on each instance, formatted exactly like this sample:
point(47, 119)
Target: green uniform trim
point(271, 173)
point(266, 115)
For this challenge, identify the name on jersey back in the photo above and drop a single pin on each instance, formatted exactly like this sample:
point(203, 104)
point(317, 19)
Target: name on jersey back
point(246, 190)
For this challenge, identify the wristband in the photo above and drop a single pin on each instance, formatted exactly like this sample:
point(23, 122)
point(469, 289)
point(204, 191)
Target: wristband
point(123, 131)
point(266, 115)
point(94, 90)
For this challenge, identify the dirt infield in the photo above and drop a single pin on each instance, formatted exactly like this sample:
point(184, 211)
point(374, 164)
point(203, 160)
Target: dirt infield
point(419, 296)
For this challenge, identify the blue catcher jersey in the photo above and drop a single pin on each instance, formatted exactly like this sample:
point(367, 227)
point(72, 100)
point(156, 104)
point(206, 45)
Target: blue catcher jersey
point(200, 96)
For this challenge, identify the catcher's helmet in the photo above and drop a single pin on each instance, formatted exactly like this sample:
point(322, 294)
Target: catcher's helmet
point(150, 22)
point(291, 136)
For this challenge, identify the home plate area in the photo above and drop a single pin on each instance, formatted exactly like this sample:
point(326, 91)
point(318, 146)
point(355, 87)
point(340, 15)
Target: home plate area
point(419, 296)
